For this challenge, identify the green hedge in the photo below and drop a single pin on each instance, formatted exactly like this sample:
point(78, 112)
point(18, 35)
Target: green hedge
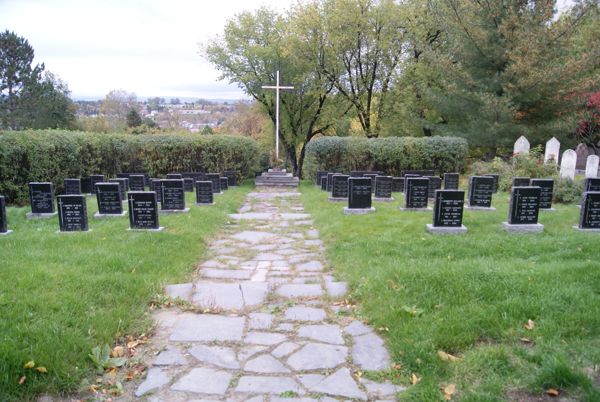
point(391, 154)
point(54, 155)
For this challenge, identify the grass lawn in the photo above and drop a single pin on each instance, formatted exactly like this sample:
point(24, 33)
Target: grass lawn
point(471, 296)
point(62, 294)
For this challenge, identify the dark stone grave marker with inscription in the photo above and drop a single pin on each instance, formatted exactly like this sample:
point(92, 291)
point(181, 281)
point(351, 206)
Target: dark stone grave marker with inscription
point(86, 185)
point(72, 187)
point(589, 216)
point(398, 184)
point(188, 184)
point(231, 178)
point(137, 182)
point(546, 192)
point(174, 176)
point(324, 183)
point(216, 179)
point(591, 184)
point(3, 225)
point(72, 213)
point(520, 181)
point(372, 176)
point(435, 183)
point(143, 211)
point(330, 181)
point(496, 178)
point(359, 196)
point(41, 198)
point(416, 194)
point(123, 186)
point(481, 189)
point(173, 196)
point(156, 186)
point(451, 181)
point(383, 188)
point(524, 210)
point(96, 178)
point(319, 175)
point(110, 200)
point(448, 212)
point(204, 193)
point(224, 184)
point(339, 188)
point(408, 176)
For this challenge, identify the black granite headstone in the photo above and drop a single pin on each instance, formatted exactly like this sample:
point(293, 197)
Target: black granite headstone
point(324, 183)
point(547, 191)
point(188, 184)
point(110, 200)
point(41, 198)
point(123, 185)
point(204, 192)
point(425, 172)
point(3, 225)
point(216, 179)
point(143, 210)
point(72, 213)
point(72, 186)
point(591, 184)
point(123, 175)
point(156, 186)
point(451, 181)
point(339, 188)
point(372, 176)
point(224, 183)
point(137, 182)
point(359, 192)
point(589, 217)
point(383, 187)
point(496, 184)
point(524, 206)
point(174, 176)
point(416, 192)
point(96, 178)
point(448, 208)
point(319, 174)
point(481, 189)
point(231, 178)
point(435, 183)
point(173, 195)
point(86, 185)
point(330, 181)
point(362, 173)
point(407, 177)
point(398, 184)
point(520, 181)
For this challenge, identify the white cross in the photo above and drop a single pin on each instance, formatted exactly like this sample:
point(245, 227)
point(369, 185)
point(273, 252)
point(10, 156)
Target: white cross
point(277, 87)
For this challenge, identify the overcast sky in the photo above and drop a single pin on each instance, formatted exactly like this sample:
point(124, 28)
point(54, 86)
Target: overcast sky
point(149, 47)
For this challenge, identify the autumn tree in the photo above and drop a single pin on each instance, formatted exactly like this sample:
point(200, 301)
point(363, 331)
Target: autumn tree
point(115, 106)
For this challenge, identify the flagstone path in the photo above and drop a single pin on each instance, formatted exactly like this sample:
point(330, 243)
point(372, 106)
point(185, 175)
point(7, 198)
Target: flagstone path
point(264, 325)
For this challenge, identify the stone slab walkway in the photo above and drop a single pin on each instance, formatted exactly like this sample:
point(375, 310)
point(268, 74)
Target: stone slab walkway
point(262, 323)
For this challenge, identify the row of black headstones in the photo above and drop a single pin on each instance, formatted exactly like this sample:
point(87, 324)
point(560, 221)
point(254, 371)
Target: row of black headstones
point(528, 196)
point(143, 205)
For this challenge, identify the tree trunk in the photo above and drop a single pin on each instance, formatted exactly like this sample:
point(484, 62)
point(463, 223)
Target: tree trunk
point(301, 160)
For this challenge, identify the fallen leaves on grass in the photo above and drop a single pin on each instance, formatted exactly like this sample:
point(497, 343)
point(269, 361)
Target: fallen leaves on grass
point(22, 380)
point(414, 379)
point(449, 391)
point(118, 351)
point(529, 325)
point(29, 365)
point(41, 369)
point(552, 392)
point(447, 356)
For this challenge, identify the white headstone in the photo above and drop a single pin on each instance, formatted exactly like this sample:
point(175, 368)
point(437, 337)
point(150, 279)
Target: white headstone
point(591, 167)
point(567, 164)
point(521, 146)
point(552, 150)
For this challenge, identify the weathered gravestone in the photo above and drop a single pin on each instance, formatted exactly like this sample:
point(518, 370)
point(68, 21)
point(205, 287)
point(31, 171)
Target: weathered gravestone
point(41, 198)
point(96, 178)
point(591, 167)
point(188, 184)
point(319, 175)
point(110, 200)
point(339, 188)
point(204, 193)
point(383, 188)
point(448, 212)
point(174, 176)
point(137, 182)
point(496, 184)
point(143, 211)
point(552, 151)
point(224, 184)
point(416, 194)
point(589, 217)
point(371, 176)
point(72, 213)
point(359, 196)
point(324, 183)
point(3, 225)
point(521, 146)
point(520, 181)
point(567, 164)
point(451, 181)
point(398, 184)
point(481, 189)
point(435, 183)
point(156, 186)
point(231, 178)
point(523, 210)
point(582, 151)
point(216, 179)
point(546, 192)
point(86, 185)
point(72, 187)
point(173, 196)
point(123, 186)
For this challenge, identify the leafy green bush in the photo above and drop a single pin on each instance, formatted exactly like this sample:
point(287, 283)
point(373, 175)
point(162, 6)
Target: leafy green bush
point(567, 191)
point(390, 154)
point(54, 155)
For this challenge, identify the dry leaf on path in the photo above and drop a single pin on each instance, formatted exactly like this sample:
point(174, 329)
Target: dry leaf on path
point(414, 379)
point(118, 351)
point(552, 392)
point(449, 391)
point(529, 325)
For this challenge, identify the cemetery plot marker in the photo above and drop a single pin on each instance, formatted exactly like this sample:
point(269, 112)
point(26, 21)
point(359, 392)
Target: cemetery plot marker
point(591, 167)
point(320, 174)
point(123, 186)
point(521, 146)
point(3, 225)
point(451, 181)
point(143, 211)
point(496, 178)
point(330, 182)
point(416, 194)
point(589, 217)
point(435, 183)
point(216, 179)
point(72, 213)
point(481, 189)
point(231, 178)
point(324, 183)
point(520, 181)
point(41, 198)
point(173, 196)
point(137, 182)
point(224, 183)
point(72, 186)
point(567, 164)
point(448, 212)
point(524, 210)
point(372, 176)
point(359, 196)
point(156, 186)
point(397, 184)
point(546, 192)
point(174, 176)
point(204, 193)
point(552, 151)
point(96, 178)
point(188, 184)
point(110, 202)
point(383, 188)
point(86, 185)
point(339, 188)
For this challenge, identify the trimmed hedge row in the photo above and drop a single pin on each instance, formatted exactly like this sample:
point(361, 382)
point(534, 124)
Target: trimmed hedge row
point(390, 154)
point(53, 155)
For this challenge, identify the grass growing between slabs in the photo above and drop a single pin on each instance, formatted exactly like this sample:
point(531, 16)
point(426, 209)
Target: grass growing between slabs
point(472, 296)
point(63, 294)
